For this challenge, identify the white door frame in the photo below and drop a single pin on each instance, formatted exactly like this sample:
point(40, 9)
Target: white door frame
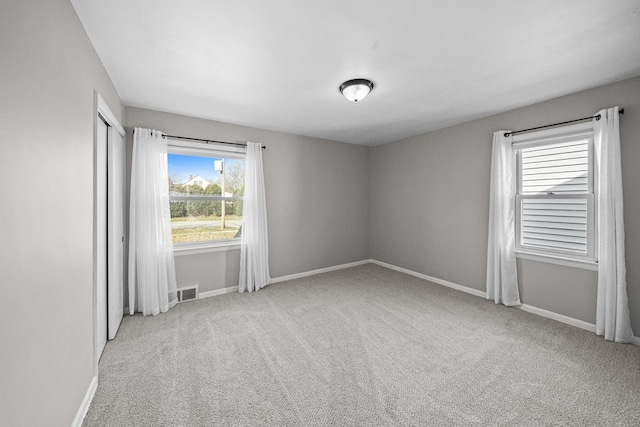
point(101, 109)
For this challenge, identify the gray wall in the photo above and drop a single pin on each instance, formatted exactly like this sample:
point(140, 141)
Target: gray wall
point(427, 197)
point(430, 194)
point(49, 72)
point(317, 199)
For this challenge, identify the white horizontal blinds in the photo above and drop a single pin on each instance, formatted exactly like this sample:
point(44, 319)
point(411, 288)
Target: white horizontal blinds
point(555, 192)
point(555, 223)
point(556, 168)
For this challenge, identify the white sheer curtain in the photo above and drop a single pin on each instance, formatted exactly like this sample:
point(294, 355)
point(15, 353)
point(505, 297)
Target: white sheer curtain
point(152, 277)
point(612, 313)
point(502, 277)
point(254, 252)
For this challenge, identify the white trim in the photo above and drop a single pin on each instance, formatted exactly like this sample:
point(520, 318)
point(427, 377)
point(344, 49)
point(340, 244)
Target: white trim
point(232, 289)
point(555, 134)
point(217, 292)
point(106, 114)
point(558, 317)
point(205, 149)
point(442, 282)
point(475, 292)
point(100, 108)
point(586, 264)
point(524, 307)
point(180, 250)
point(318, 271)
point(541, 138)
point(86, 403)
point(207, 294)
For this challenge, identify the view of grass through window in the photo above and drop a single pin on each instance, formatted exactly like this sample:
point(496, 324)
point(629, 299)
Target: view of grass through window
point(205, 198)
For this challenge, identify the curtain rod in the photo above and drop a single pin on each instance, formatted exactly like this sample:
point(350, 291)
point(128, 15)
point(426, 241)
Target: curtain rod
point(597, 117)
point(207, 141)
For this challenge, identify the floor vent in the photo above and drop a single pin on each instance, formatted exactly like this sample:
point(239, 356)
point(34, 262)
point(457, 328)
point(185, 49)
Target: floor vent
point(188, 293)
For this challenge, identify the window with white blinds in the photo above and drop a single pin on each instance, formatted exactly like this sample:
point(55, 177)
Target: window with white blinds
point(555, 197)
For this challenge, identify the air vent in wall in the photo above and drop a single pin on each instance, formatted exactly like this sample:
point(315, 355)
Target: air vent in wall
point(188, 293)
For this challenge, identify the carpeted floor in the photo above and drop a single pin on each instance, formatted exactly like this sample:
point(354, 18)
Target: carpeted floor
point(365, 346)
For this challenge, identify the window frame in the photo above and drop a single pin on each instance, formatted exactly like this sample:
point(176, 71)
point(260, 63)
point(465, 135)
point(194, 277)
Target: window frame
point(548, 137)
point(211, 150)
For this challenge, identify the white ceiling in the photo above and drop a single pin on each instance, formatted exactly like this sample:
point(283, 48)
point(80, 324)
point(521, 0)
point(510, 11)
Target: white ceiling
point(277, 64)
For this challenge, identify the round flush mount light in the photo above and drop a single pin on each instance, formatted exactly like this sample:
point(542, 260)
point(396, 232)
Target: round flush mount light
point(356, 89)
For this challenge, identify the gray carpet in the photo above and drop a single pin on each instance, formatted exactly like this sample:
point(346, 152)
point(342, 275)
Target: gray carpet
point(365, 346)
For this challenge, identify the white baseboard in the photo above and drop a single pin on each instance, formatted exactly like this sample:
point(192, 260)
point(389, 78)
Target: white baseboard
point(217, 292)
point(432, 279)
point(319, 271)
point(558, 317)
point(284, 278)
point(525, 307)
point(86, 402)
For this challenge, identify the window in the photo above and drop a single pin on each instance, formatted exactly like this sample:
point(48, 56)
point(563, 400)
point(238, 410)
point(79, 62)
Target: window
point(555, 206)
point(206, 187)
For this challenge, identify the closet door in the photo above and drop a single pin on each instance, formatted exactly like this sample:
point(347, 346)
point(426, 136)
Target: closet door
point(109, 213)
point(102, 276)
point(115, 200)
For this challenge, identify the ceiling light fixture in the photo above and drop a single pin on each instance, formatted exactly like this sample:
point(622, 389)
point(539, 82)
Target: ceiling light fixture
point(356, 89)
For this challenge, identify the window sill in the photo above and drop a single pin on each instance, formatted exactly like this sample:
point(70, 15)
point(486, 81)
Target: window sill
point(559, 260)
point(204, 248)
